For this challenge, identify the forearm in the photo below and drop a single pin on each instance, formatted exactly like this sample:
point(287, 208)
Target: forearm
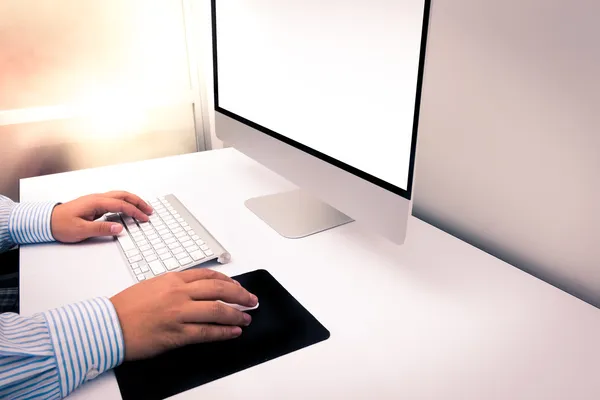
point(22, 223)
point(51, 354)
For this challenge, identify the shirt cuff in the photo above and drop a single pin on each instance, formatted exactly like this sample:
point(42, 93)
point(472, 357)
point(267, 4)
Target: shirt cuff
point(31, 223)
point(87, 340)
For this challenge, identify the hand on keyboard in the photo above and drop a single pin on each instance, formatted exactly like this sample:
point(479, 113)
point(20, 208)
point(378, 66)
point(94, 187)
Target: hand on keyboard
point(180, 308)
point(75, 221)
point(171, 240)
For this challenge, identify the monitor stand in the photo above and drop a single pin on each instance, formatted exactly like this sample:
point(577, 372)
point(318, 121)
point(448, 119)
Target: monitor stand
point(296, 214)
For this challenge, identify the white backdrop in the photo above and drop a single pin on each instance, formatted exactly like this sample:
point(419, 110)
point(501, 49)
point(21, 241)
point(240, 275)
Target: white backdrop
point(509, 150)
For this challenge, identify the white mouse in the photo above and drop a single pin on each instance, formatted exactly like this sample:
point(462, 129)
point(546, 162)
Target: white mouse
point(238, 307)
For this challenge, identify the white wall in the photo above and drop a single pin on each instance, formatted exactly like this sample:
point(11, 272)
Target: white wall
point(509, 148)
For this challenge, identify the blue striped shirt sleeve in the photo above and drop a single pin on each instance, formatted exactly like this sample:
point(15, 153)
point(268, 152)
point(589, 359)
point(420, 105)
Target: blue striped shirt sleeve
point(23, 223)
point(50, 354)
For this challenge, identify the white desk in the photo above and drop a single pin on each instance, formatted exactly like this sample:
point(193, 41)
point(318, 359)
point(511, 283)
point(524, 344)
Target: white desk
point(434, 319)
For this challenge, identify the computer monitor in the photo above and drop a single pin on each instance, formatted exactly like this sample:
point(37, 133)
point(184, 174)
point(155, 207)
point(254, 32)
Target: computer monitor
point(326, 94)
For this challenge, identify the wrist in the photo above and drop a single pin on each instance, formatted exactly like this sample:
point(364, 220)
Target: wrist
point(54, 222)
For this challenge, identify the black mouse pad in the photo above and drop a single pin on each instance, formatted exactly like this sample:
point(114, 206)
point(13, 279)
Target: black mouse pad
point(280, 325)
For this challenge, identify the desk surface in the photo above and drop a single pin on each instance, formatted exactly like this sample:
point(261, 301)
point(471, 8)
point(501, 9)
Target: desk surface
point(433, 319)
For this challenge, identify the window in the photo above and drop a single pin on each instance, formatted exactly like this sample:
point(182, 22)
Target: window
point(85, 83)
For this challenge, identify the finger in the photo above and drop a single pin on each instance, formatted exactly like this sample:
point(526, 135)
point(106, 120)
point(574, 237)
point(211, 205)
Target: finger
point(202, 333)
point(195, 274)
point(107, 204)
point(216, 289)
point(213, 312)
point(102, 228)
point(130, 198)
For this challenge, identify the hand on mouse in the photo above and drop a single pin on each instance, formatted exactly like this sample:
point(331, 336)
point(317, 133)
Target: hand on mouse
point(180, 308)
point(75, 221)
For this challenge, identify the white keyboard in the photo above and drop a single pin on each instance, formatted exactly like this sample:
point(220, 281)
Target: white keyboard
point(173, 240)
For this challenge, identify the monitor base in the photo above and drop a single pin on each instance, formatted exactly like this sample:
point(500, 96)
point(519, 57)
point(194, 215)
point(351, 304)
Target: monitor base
point(296, 214)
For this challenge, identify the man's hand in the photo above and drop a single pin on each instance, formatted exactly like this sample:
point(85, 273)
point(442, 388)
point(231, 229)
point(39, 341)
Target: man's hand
point(75, 221)
point(180, 308)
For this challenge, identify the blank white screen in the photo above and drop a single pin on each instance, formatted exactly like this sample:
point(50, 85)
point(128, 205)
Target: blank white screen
point(339, 76)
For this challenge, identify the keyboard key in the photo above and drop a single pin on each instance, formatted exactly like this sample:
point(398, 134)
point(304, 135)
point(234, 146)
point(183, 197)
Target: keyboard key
point(184, 224)
point(188, 243)
point(164, 250)
point(133, 229)
point(176, 215)
point(157, 267)
point(173, 225)
point(163, 232)
point(138, 236)
point(167, 236)
point(176, 230)
point(145, 247)
point(152, 236)
point(179, 219)
point(171, 264)
point(197, 255)
point(137, 271)
point(177, 250)
point(134, 265)
point(204, 247)
point(140, 239)
point(159, 225)
point(208, 253)
point(135, 259)
point(185, 238)
point(165, 256)
point(171, 241)
point(174, 245)
point(200, 242)
point(181, 255)
point(185, 261)
point(129, 221)
point(125, 241)
point(155, 241)
point(159, 246)
point(189, 249)
point(188, 229)
point(132, 253)
point(196, 237)
point(141, 278)
point(180, 234)
point(151, 258)
point(145, 268)
point(148, 253)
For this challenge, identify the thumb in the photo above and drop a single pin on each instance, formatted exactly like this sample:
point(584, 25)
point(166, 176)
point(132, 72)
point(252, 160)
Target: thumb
point(103, 228)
